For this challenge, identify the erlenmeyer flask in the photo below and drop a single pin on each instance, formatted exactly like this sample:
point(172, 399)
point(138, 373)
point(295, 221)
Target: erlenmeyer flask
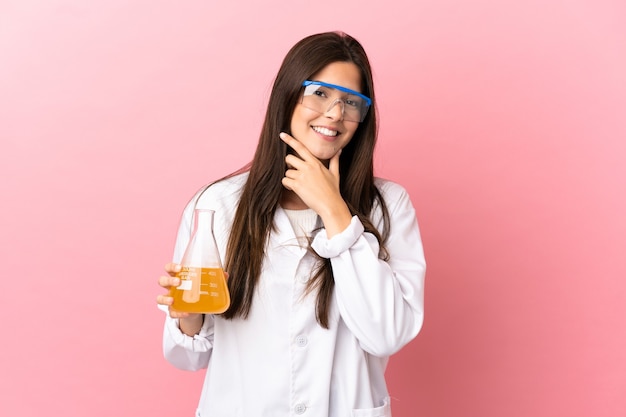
point(202, 286)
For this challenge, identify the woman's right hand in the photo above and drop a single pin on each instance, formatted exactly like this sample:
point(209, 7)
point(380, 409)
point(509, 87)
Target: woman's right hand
point(190, 323)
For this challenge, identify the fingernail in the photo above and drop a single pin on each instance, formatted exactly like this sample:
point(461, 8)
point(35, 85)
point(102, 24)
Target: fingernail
point(282, 135)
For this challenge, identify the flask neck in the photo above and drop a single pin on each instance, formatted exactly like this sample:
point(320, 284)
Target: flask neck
point(203, 219)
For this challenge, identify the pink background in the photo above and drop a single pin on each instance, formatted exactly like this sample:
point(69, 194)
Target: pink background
point(505, 120)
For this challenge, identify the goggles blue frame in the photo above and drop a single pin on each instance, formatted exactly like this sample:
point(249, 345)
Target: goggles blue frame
point(340, 88)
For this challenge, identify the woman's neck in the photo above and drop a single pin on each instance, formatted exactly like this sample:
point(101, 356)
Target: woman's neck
point(290, 201)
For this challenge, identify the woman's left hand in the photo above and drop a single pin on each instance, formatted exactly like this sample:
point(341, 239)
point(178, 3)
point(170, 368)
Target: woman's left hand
point(316, 185)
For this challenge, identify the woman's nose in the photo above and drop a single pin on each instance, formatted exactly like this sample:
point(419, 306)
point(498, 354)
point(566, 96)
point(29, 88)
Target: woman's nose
point(335, 112)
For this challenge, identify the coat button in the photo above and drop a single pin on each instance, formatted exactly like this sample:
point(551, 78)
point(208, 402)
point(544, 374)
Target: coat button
point(299, 408)
point(301, 341)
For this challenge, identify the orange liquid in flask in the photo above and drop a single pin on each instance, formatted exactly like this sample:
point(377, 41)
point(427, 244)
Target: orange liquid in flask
point(201, 290)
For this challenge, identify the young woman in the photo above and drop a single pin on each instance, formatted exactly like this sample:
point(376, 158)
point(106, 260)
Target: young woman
point(325, 261)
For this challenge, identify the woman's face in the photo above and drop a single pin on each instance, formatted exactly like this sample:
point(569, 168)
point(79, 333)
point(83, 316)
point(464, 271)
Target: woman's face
point(324, 134)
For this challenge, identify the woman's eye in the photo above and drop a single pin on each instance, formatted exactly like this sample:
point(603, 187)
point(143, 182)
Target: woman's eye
point(352, 103)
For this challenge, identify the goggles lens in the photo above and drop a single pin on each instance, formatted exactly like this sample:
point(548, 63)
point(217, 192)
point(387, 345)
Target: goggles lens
point(321, 97)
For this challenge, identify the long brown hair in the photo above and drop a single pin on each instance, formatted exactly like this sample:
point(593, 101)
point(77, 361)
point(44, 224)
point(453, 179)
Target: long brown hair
point(254, 218)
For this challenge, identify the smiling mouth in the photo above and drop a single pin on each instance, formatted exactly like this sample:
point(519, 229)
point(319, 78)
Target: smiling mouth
point(325, 131)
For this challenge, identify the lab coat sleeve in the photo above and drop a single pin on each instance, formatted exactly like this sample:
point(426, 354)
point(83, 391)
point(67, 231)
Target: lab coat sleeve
point(186, 352)
point(381, 302)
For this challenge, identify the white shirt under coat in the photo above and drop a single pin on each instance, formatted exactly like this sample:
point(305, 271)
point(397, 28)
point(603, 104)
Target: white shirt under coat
point(280, 361)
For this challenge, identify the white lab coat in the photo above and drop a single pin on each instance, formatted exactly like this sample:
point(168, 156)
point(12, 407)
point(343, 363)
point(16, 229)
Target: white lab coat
point(280, 361)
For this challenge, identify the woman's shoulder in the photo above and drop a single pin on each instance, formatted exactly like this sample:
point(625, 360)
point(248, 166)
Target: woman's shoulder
point(389, 190)
point(224, 191)
point(395, 196)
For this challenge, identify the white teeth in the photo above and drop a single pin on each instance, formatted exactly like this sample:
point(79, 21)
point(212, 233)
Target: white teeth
point(325, 131)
